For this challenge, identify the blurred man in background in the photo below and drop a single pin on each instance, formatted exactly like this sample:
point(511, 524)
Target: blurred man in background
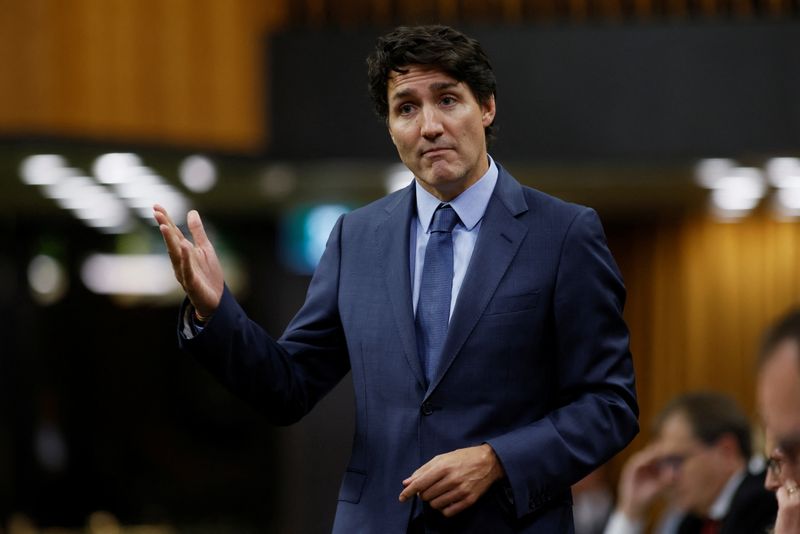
point(779, 403)
point(698, 464)
point(482, 321)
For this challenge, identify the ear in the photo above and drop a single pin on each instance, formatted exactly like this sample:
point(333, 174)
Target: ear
point(488, 109)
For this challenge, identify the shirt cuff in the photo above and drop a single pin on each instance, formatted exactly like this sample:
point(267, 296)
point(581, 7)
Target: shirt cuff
point(191, 326)
point(619, 523)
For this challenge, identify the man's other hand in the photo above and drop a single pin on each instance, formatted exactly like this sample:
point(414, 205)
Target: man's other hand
point(454, 481)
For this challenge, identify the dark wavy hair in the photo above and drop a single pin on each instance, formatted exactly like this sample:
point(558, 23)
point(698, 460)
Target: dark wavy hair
point(710, 415)
point(437, 46)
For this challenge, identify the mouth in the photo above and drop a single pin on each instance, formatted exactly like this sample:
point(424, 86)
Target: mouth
point(434, 152)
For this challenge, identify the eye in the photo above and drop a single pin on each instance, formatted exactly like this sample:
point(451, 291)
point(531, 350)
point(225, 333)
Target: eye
point(448, 100)
point(405, 109)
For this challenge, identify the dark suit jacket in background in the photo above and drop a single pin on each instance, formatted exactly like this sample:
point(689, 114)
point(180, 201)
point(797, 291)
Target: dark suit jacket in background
point(753, 510)
point(536, 361)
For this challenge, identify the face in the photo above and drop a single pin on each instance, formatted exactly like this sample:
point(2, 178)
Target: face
point(779, 400)
point(778, 469)
point(779, 391)
point(437, 126)
point(699, 471)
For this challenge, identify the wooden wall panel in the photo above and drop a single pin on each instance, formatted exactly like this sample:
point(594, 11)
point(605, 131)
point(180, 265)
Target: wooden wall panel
point(700, 294)
point(184, 72)
point(191, 72)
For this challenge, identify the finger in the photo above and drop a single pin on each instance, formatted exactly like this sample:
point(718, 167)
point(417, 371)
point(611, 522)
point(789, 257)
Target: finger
point(162, 216)
point(409, 491)
point(454, 502)
point(173, 242)
point(456, 507)
point(790, 490)
point(446, 497)
point(416, 483)
point(436, 490)
point(186, 267)
point(196, 229)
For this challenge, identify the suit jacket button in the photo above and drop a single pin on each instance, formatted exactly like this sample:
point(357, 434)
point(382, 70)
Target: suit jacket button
point(427, 409)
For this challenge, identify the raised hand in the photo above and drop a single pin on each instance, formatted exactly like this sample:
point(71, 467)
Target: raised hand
point(644, 477)
point(196, 265)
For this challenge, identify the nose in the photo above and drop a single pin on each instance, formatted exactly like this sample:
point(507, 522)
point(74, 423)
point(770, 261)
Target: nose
point(431, 126)
point(772, 482)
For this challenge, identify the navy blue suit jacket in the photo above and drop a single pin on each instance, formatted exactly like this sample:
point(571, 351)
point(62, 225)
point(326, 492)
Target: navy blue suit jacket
point(536, 362)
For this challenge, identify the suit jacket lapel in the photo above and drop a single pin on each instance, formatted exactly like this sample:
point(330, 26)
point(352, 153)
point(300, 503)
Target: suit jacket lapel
point(500, 237)
point(393, 244)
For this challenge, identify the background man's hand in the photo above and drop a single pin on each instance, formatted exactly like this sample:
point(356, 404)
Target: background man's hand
point(788, 520)
point(454, 481)
point(196, 265)
point(641, 481)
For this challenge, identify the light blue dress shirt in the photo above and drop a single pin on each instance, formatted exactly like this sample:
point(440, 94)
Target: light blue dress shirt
point(470, 207)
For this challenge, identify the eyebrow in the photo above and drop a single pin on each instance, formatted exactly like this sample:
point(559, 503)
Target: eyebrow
point(434, 87)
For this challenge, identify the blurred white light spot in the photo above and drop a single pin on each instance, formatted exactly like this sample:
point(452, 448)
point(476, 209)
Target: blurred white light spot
point(41, 169)
point(115, 168)
point(47, 279)
point(709, 171)
point(68, 186)
point(784, 172)
point(397, 177)
point(786, 202)
point(738, 192)
point(129, 274)
point(198, 174)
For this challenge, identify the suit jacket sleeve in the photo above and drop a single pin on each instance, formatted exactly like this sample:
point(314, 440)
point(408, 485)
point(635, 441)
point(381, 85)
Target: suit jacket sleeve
point(282, 379)
point(595, 413)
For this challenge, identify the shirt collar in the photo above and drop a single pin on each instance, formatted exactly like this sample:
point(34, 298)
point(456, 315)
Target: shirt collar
point(721, 506)
point(470, 205)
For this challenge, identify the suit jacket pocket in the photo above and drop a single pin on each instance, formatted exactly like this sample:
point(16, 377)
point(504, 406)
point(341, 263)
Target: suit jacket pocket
point(352, 485)
point(512, 303)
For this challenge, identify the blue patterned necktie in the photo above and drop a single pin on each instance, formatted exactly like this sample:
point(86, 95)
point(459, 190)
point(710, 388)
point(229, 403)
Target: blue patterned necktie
point(436, 285)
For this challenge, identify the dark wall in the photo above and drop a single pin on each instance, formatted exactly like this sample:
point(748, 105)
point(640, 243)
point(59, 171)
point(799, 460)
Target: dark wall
point(639, 91)
point(150, 436)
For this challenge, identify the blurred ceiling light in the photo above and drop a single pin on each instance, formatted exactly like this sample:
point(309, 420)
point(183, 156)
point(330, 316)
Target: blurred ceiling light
point(709, 171)
point(115, 167)
point(397, 177)
point(129, 274)
point(738, 192)
point(47, 279)
point(41, 169)
point(198, 173)
point(784, 172)
point(787, 201)
point(70, 184)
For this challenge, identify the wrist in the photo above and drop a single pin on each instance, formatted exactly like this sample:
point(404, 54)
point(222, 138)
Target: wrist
point(497, 472)
point(632, 511)
point(202, 318)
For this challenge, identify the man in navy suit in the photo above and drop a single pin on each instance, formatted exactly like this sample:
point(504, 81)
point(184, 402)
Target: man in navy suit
point(482, 321)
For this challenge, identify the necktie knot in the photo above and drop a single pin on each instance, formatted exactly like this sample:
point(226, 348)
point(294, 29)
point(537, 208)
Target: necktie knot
point(445, 219)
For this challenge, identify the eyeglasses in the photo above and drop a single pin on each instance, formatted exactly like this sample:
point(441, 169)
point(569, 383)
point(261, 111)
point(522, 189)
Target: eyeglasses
point(774, 466)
